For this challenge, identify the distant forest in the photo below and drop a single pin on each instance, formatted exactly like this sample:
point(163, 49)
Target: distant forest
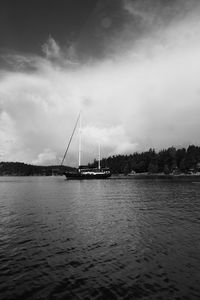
point(22, 169)
point(166, 161)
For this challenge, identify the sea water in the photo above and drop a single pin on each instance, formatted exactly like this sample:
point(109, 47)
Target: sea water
point(99, 239)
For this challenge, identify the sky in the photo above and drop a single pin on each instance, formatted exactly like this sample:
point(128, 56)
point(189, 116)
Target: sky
point(131, 66)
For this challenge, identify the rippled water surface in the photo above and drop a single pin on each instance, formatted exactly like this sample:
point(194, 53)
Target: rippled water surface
point(100, 239)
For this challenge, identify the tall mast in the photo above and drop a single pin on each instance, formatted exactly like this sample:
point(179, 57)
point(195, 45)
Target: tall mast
point(70, 139)
point(99, 158)
point(79, 148)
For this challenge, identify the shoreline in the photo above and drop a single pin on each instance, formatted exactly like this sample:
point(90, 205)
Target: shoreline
point(138, 176)
point(171, 177)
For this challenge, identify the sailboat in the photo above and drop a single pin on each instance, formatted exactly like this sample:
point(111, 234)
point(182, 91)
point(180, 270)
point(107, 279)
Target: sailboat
point(85, 172)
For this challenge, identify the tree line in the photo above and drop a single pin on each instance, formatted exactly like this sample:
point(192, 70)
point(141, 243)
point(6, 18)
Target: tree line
point(166, 161)
point(22, 169)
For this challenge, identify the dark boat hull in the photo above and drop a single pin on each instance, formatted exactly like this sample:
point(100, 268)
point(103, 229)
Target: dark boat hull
point(79, 176)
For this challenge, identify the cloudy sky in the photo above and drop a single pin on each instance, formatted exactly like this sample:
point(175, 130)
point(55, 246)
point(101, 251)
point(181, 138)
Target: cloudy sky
point(131, 66)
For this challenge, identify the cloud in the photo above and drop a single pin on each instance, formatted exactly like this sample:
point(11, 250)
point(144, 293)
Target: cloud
point(113, 139)
point(45, 158)
point(51, 49)
point(146, 96)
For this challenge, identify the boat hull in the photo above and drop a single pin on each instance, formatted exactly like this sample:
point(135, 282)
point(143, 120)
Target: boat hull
point(79, 176)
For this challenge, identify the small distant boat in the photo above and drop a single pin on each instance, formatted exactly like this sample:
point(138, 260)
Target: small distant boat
point(84, 172)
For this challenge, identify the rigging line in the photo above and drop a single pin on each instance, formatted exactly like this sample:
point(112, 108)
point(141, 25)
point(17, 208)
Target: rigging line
point(70, 139)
